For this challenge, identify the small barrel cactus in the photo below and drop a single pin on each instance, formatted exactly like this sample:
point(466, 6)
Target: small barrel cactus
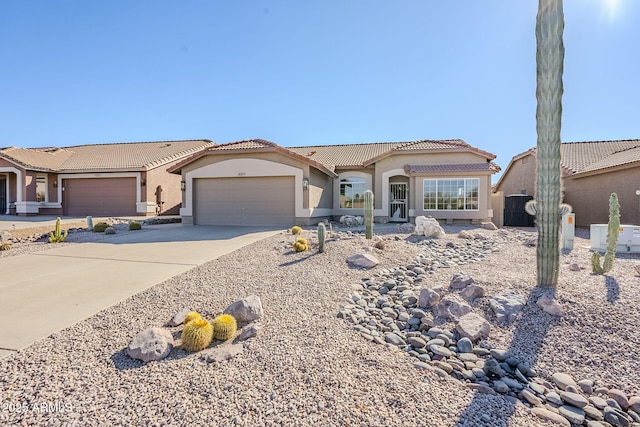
point(368, 214)
point(301, 245)
point(224, 327)
point(322, 235)
point(100, 227)
point(296, 230)
point(192, 315)
point(197, 335)
point(135, 225)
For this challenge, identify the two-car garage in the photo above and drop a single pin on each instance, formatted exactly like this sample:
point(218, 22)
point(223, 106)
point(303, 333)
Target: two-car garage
point(249, 200)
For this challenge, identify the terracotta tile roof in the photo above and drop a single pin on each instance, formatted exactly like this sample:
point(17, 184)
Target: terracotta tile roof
point(454, 168)
point(120, 156)
point(345, 155)
point(578, 157)
point(248, 144)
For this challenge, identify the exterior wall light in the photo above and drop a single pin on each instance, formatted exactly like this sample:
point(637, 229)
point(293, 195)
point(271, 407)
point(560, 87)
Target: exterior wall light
point(183, 185)
point(305, 184)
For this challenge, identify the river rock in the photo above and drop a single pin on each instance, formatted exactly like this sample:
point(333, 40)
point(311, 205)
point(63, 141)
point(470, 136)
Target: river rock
point(573, 414)
point(574, 399)
point(428, 298)
point(363, 260)
point(547, 415)
point(620, 397)
point(563, 380)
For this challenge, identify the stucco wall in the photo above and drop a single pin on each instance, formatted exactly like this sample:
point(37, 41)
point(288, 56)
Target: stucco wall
point(320, 190)
point(171, 193)
point(520, 178)
point(589, 196)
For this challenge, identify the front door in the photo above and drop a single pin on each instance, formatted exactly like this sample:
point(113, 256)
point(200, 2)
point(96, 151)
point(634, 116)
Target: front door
point(3, 195)
point(398, 202)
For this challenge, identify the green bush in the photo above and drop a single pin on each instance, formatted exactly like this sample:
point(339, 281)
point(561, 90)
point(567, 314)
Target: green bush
point(100, 227)
point(135, 225)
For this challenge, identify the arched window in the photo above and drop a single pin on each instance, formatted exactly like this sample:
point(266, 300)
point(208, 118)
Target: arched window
point(352, 193)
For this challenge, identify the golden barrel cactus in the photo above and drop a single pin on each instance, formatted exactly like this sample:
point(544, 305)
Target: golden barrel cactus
point(224, 327)
point(197, 335)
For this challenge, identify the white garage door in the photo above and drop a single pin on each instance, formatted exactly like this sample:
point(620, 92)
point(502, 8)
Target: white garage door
point(244, 201)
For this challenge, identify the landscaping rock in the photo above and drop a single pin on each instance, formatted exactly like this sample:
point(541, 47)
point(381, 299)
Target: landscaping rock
point(488, 226)
point(563, 380)
point(246, 310)
point(429, 227)
point(573, 414)
point(460, 281)
point(550, 305)
point(620, 397)
point(178, 318)
point(451, 307)
point(221, 353)
point(473, 326)
point(250, 331)
point(547, 415)
point(428, 298)
point(151, 344)
point(363, 260)
point(507, 306)
point(472, 292)
point(406, 227)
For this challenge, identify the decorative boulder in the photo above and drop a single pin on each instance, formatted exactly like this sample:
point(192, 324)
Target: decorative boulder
point(488, 226)
point(473, 326)
point(249, 331)
point(246, 310)
point(507, 306)
point(472, 292)
point(550, 305)
point(451, 307)
point(151, 344)
point(428, 298)
point(178, 318)
point(363, 260)
point(351, 221)
point(464, 234)
point(460, 281)
point(429, 227)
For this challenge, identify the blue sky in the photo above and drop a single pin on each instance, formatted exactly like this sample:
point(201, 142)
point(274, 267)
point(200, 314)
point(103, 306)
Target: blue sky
point(307, 73)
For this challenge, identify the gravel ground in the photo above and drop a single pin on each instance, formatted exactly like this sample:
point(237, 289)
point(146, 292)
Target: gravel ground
point(310, 368)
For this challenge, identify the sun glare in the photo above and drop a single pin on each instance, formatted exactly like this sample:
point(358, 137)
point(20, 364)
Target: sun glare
point(612, 8)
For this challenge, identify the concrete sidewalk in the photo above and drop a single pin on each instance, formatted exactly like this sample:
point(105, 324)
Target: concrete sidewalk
point(50, 290)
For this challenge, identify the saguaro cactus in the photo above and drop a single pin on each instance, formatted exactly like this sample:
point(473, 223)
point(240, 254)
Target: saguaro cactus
point(613, 231)
point(322, 235)
point(549, 88)
point(368, 214)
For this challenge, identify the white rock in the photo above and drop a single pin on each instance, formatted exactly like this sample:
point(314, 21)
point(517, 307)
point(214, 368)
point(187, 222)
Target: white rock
point(428, 227)
point(247, 309)
point(178, 318)
point(473, 326)
point(363, 260)
point(488, 226)
point(151, 344)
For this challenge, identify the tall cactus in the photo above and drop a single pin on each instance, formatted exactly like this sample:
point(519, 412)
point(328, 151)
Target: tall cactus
point(613, 230)
point(549, 88)
point(322, 235)
point(368, 214)
point(57, 236)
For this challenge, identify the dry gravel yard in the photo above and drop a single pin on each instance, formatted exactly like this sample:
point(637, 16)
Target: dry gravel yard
point(311, 368)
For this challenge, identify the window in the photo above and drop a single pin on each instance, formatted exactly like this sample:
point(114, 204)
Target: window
point(41, 188)
point(450, 194)
point(352, 193)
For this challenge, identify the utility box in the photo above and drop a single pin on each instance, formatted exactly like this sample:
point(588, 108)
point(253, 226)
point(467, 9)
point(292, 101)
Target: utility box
point(628, 239)
point(568, 230)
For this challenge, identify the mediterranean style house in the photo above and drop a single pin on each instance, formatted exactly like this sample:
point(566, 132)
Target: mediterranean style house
point(101, 180)
point(591, 171)
point(257, 182)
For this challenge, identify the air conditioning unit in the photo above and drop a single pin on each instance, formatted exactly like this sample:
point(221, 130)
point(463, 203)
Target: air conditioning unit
point(628, 239)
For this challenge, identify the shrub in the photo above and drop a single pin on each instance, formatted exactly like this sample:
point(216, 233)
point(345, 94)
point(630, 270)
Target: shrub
point(224, 327)
point(301, 245)
point(296, 230)
point(135, 225)
point(100, 227)
point(197, 335)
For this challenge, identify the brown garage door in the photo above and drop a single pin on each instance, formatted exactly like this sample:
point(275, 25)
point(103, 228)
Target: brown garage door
point(244, 201)
point(99, 196)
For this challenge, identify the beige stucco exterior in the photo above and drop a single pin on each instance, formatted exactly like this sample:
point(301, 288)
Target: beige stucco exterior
point(519, 177)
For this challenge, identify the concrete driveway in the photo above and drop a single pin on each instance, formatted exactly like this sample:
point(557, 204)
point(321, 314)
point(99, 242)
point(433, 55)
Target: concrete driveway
point(47, 291)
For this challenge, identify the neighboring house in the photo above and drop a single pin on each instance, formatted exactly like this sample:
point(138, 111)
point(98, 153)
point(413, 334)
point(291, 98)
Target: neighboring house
point(257, 182)
point(591, 171)
point(101, 180)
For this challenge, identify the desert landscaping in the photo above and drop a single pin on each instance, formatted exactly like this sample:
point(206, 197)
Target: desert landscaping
point(339, 344)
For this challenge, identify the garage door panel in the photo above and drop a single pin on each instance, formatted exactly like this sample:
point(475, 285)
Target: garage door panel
point(99, 196)
point(244, 201)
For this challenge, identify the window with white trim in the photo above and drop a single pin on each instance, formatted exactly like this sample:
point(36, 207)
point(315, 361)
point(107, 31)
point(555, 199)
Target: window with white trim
point(352, 193)
point(41, 188)
point(451, 194)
